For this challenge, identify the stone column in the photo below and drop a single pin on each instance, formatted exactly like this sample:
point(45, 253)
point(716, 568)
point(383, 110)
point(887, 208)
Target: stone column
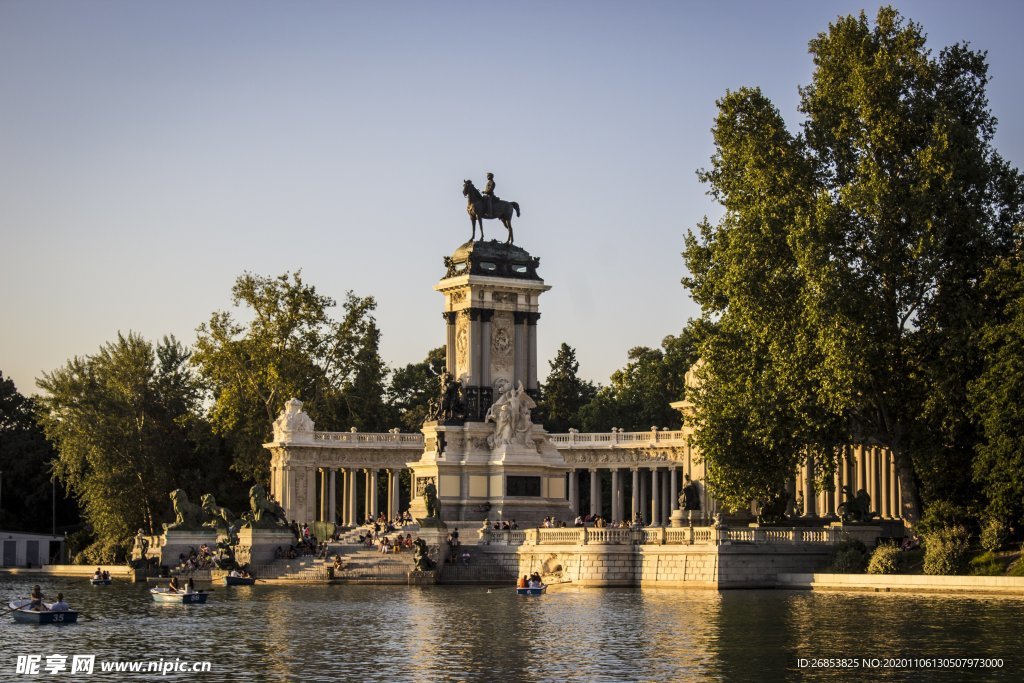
point(519, 318)
point(485, 354)
point(374, 502)
point(894, 488)
point(353, 512)
point(574, 492)
point(871, 461)
point(310, 511)
point(655, 499)
point(332, 513)
point(830, 500)
point(322, 508)
point(809, 507)
point(862, 477)
point(474, 346)
point(449, 318)
point(391, 493)
point(884, 509)
point(645, 507)
point(673, 489)
point(635, 511)
point(616, 496)
point(595, 491)
point(531, 353)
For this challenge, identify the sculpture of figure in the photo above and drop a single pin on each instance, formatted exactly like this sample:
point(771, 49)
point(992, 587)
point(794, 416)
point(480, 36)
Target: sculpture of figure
point(480, 207)
point(430, 498)
point(264, 513)
point(421, 556)
point(141, 546)
point(489, 194)
point(217, 517)
point(689, 499)
point(773, 510)
point(450, 403)
point(510, 414)
point(857, 508)
point(187, 515)
point(293, 419)
point(521, 405)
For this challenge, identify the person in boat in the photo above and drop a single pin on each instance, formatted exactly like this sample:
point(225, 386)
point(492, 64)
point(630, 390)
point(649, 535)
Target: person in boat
point(106, 575)
point(36, 599)
point(98, 575)
point(522, 582)
point(60, 605)
point(172, 586)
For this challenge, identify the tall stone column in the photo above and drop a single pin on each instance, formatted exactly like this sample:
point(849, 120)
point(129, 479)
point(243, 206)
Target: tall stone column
point(391, 494)
point(574, 492)
point(519, 320)
point(635, 511)
point(531, 341)
point(616, 496)
point(595, 491)
point(871, 469)
point(310, 511)
point(862, 477)
point(840, 479)
point(475, 343)
point(894, 488)
point(449, 318)
point(332, 513)
point(353, 512)
point(884, 508)
point(322, 511)
point(645, 507)
point(673, 485)
point(485, 353)
point(809, 507)
point(655, 499)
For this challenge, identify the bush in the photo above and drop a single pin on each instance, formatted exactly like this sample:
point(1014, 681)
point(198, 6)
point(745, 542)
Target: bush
point(885, 560)
point(946, 550)
point(849, 557)
point(987, 564)
point(994, 535)
point(941, 514)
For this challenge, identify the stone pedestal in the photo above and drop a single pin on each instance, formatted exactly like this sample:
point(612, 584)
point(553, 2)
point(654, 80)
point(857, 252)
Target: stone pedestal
point(174, 542)
point(258, 546)
point(678, 518)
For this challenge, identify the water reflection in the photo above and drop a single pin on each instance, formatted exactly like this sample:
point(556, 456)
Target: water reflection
point(392, 633)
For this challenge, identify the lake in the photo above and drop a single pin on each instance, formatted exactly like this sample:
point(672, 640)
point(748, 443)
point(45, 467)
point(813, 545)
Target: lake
point(398, 633)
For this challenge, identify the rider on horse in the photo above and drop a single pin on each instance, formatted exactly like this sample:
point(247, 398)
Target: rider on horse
point(489, 193)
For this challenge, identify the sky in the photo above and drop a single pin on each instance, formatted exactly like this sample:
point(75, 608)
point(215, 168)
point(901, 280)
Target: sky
point(152, 152)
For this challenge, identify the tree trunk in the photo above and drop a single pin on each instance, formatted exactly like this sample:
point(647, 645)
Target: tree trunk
point(910, 499)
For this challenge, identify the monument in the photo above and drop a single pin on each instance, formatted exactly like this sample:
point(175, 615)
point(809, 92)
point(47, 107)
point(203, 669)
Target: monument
point(484, 454)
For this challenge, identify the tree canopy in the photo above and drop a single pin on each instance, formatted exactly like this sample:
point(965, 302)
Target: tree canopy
point(564, 393)
point(845, 270)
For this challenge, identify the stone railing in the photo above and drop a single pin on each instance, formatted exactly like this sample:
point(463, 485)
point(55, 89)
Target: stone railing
point(617, 438)
point(392, 439)
point(702, 535)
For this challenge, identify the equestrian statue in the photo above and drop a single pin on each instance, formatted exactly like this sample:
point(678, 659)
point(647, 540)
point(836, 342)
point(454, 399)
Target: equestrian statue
point(487, 205)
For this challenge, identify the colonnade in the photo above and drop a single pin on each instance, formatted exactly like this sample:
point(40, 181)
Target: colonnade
point(339, 495)
point(652, 492)
point(868, 468)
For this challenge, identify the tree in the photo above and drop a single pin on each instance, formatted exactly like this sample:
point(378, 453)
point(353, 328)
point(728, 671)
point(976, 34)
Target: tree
point(291, 348)
point(123, 422)
point(640, 394)
point(848, 256)
point(414, 387)
point(26, 464)
point(563, 393)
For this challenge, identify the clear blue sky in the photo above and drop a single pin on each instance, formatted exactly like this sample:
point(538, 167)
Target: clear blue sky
point(152, 152)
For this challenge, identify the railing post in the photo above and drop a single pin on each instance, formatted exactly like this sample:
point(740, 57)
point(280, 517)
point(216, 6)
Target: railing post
point(584, 536)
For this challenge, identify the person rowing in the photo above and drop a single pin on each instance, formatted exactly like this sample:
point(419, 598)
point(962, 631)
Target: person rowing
point(36, 600)
point(172, 587)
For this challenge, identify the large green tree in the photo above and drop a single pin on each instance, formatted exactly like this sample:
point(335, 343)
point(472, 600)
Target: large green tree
point(26, 468)
point(413, 387)
point(126, 428)
point(564, 393)
point(289, 346)
point(848, 257)
point(639, 395)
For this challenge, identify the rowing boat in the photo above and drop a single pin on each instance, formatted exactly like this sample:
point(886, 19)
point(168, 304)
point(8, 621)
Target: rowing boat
point(180, 598)
point(239, 580)
point(535, 590)
point(20, 612)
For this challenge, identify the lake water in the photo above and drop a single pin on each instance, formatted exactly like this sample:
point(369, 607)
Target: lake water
point(396, 633)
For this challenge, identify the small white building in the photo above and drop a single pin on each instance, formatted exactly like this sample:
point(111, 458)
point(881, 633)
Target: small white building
point(30, 550)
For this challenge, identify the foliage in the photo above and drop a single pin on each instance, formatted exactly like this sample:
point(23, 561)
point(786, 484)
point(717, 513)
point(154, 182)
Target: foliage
point(124, 424)
point(942, 514)
point(843, 276)
point(987, 564)
point(26, 466)
point(564, 393)
point(946, 550)
point(849, 557)
point(290, 348)
point(994, 535)
point(639, 395)
point(885, 559)
point(413, 387)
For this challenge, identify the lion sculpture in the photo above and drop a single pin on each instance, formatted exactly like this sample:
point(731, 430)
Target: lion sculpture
point(421, 556)
point(264, 513)
point(218, 517)
point(187, 515)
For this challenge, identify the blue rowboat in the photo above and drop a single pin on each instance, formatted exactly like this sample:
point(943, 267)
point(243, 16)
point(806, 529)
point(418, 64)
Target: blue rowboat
point(21, 613)
point(539, 590)
point(239, 580)
point(179, 598)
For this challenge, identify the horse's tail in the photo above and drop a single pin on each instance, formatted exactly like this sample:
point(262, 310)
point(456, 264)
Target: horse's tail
point(515, 205)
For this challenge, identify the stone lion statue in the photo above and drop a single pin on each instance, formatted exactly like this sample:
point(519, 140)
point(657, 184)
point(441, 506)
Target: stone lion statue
point(431, 501)
point(421, 556)
point(217, 517)
point(264, 513)
point(187, 515)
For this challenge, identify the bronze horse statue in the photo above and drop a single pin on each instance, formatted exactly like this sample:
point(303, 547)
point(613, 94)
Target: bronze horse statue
point(476, 207)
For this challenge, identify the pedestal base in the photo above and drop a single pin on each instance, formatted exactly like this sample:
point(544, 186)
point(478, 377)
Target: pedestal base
point(258, 546)
point(174, 543)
